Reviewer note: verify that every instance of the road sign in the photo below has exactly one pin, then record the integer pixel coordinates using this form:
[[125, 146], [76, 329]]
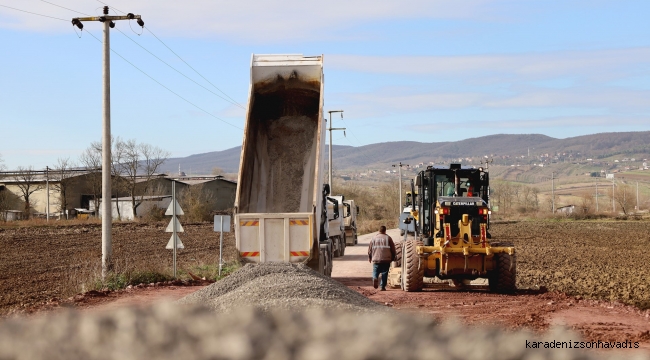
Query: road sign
[[218, 221], [170, 244], [170, 209], [221, 224], [170, 227]]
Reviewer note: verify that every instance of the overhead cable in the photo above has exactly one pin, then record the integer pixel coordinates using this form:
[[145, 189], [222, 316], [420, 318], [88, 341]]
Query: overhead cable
[[168, 89], [33, 13]]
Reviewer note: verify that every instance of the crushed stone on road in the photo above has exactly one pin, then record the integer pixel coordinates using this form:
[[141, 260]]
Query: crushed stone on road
[[279, 285]]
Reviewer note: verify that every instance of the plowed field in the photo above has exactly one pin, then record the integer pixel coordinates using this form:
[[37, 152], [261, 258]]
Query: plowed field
[[44, 262], [605, 260]]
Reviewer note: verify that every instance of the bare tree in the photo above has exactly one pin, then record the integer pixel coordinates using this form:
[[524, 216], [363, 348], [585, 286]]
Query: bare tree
[[91, 159], [586, 201], [2, 163], [624, 197], [28, 183], [62, 172], [141, 161], [218, 171], [198, 203]]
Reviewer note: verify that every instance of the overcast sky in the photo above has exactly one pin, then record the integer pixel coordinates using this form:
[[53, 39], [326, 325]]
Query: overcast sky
[[402, 70]]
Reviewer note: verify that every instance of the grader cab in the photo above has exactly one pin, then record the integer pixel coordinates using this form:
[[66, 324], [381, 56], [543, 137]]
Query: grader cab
[[453, 242]]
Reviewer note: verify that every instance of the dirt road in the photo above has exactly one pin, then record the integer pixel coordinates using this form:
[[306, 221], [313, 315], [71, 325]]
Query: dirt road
[[537, 310]]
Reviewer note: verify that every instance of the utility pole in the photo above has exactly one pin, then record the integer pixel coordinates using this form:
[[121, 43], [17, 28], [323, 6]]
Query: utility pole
[[613, 202], [596, 197], [47, 190], [330, 130], [638, 208], [553, 190], [399, 170], [107, 249]]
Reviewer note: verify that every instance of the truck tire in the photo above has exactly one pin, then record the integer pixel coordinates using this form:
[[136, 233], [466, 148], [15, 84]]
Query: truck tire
[[401, 232], [398, 255], [343, 244], [330, 263], [336, 243], [503, 278], [412, 267]]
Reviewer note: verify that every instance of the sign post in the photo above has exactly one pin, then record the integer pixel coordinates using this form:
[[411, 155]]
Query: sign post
[[174, 226], [221, 224]]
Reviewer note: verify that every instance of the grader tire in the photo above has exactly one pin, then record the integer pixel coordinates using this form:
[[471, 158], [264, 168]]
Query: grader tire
[[412, 267], [504, 277], [398, 255]]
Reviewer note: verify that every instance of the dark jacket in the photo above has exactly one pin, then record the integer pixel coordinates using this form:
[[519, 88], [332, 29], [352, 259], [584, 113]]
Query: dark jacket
[[381, 249]]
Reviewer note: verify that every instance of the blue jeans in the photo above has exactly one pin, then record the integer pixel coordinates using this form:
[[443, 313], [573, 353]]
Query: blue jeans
[[383, 270]]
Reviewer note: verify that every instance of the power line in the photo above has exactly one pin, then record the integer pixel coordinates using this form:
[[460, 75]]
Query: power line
[[190, 66], [33, 13], [234, 102], [178, 71], [63, 7], [130, 63], [168, 89]]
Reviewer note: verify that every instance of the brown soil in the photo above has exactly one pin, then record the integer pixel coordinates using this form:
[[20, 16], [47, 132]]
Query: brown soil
[[45, 264], [602, 260], [540, 245]]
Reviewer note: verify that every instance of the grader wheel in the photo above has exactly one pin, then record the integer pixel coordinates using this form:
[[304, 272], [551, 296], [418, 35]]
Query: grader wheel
[[398, 255], [504, 277], [412, 267]]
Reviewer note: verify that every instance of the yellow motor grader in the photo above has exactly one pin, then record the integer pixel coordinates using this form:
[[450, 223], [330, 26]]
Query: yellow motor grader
[[452, 240]]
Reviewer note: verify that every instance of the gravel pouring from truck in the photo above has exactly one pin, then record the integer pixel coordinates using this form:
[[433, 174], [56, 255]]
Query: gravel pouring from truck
[[280, 211]]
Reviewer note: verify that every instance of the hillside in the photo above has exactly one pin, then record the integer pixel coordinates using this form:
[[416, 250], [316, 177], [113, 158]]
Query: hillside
[[495, 146]]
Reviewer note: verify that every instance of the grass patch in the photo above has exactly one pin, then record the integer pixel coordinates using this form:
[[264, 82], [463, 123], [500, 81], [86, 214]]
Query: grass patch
[[122, 280], [211, 271]]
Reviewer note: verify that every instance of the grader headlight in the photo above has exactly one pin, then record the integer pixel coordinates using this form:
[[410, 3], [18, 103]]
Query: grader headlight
[[442, 211]]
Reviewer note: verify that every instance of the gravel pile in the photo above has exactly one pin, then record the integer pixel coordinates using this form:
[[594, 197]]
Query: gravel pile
[[279, 286], [169, 331]]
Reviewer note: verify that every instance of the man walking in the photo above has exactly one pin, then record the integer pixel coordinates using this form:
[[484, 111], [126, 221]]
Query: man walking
[[381, 252]]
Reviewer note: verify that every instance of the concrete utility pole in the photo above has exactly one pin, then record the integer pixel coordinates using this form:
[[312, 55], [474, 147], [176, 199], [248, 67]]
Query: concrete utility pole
[[553, 190], [399, 167], [107, 211], [638, 208], [330, 130], [596, 197], [613, 193], [47, 190]]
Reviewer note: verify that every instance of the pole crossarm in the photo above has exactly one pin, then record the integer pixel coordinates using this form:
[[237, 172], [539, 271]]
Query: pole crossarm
[[106, 17]]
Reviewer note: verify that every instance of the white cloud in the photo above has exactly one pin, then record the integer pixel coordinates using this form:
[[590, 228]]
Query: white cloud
[[274, 20], [593, 64]]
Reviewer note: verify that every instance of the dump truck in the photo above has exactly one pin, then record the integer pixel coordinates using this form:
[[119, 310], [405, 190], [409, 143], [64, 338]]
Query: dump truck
[[280, 210], [406, 225], [335, 224], [350, 212], [454, 242]]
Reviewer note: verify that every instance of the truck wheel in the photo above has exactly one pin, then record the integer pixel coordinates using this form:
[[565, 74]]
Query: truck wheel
[[330, 264], [336, 243], [343, 244], [503, 278], [398, 255], [412, 267], [401, 232]]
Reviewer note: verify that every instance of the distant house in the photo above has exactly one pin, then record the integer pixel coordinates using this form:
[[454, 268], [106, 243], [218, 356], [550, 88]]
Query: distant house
[[126, 206], [223, 190], [565, 209]]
